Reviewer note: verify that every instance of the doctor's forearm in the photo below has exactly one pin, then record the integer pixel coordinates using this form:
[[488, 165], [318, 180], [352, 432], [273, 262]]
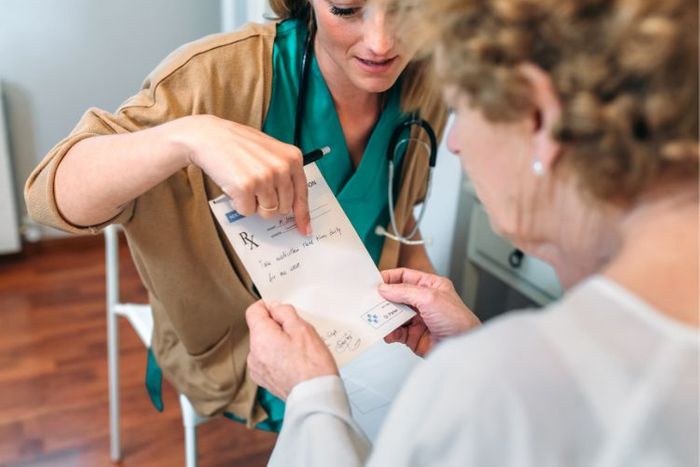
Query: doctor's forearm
[[415, 257], [99, 175]]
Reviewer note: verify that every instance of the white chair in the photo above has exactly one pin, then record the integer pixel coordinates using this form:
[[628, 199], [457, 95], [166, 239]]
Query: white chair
[[141, 319]]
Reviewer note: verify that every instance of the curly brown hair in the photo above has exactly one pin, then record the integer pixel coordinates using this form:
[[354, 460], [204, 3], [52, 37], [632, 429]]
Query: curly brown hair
[[626, 72]]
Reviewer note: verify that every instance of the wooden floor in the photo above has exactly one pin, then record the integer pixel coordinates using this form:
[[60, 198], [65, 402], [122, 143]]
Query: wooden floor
[[53, 371]]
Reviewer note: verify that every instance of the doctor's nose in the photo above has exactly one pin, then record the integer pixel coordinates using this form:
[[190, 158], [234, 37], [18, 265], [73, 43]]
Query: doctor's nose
[[378, 35]]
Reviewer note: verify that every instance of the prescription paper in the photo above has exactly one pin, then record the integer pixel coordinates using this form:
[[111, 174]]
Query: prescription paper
[[328, 276]]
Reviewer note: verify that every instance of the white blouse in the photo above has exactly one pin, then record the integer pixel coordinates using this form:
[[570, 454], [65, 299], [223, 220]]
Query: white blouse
[[597, 379]]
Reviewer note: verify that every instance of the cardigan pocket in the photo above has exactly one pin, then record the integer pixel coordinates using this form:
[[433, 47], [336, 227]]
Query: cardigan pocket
[[213, 384]]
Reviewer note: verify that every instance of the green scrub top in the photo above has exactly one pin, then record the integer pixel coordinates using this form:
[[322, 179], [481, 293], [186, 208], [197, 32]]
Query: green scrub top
[[361, 192]]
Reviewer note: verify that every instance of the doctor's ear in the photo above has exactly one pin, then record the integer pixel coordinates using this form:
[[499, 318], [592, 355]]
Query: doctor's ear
[[547, 104]]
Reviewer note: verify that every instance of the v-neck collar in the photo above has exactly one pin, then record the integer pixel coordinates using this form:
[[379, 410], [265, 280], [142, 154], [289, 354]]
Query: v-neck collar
[[322, 124], [361, 191]]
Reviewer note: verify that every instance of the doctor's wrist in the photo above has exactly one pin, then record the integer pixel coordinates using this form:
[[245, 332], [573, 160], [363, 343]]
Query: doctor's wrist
[[178, 144]]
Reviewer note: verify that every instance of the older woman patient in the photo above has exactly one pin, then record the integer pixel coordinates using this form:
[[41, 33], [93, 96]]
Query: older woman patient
[[577, 122]]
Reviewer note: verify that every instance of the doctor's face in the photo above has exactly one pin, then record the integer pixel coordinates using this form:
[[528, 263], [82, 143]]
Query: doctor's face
[[356, 45]]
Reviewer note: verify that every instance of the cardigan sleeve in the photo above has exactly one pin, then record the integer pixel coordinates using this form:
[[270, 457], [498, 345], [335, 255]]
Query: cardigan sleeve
[[202, 77]]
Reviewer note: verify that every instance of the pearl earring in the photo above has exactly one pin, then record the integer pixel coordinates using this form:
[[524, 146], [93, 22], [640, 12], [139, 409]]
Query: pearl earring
[[537, 168]]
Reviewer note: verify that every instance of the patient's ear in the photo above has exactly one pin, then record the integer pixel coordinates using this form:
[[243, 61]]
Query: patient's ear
[[547, 113]]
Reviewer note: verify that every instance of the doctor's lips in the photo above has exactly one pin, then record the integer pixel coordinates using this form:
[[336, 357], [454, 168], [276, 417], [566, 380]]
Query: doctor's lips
[[377, 66]]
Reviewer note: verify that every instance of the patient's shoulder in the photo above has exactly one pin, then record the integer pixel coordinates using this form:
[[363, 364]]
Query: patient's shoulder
[[519, 354]]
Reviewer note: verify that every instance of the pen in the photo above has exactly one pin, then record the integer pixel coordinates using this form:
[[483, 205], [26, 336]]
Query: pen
[[316, 154]]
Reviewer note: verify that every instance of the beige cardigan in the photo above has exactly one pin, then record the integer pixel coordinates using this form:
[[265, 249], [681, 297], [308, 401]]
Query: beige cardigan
[[197, 286]]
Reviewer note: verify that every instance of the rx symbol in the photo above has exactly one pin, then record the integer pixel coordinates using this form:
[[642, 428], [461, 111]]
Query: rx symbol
[[248, 241]]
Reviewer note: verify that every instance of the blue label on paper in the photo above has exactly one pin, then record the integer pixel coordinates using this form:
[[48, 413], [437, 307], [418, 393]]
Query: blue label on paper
[[233, 216]]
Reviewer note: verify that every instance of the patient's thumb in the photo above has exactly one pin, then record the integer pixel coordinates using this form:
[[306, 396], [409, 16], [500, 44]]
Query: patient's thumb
[[283, 314], [403, 293]]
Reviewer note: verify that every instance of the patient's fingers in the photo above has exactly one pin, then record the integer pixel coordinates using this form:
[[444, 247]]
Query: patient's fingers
[[287, 317], [263, 329], [411, 276], [415, 332], [416, 296], [397, 335], [396, 276], [258, 317]]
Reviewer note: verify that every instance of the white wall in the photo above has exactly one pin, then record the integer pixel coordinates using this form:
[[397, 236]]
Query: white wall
[[235, 13], [9, 232], [59, 57]]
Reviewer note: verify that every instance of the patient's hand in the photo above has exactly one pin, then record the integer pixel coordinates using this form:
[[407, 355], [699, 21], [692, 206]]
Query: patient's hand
[[441, 313], [414, 334], [284, 349]]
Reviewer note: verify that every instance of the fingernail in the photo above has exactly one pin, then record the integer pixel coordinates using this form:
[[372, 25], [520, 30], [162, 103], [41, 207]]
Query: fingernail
[[274, 304], [308, 229], [384, 287]]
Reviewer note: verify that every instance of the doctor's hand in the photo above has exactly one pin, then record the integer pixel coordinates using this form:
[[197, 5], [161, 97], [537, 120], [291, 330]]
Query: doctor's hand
[[261, 174], [441, 312], [285, 350]]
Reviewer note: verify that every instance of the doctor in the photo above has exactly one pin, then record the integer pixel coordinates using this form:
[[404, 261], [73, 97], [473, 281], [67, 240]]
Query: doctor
[[233, 113], [577, 122]]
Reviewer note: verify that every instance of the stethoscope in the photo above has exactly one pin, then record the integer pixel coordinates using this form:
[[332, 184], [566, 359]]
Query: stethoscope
[[396, 143]]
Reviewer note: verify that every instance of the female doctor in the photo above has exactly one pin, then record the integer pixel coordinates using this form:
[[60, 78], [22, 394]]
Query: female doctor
[[233, 113]]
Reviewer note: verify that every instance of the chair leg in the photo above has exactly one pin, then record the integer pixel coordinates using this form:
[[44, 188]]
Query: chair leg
[[189, 423], [113, 363], [191, 446], [112, 286]]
